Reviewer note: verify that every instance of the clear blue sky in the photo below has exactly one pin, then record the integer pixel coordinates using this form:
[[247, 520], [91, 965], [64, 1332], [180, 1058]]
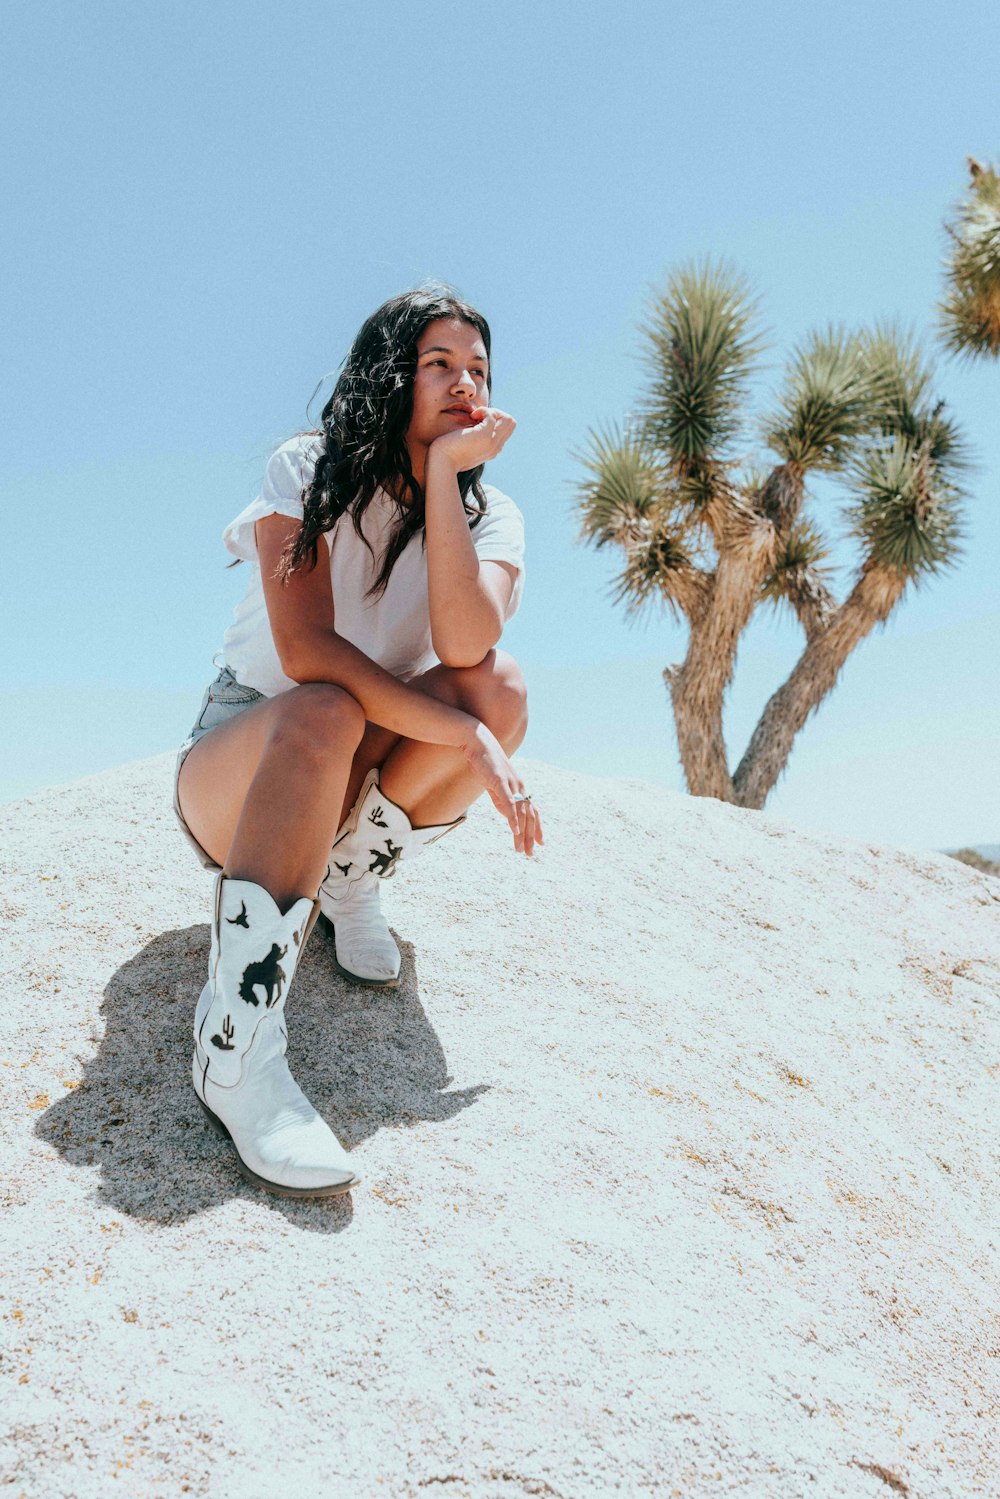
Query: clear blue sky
[[206, 202]]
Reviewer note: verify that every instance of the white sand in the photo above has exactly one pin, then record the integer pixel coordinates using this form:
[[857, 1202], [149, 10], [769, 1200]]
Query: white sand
[[679, 1151]]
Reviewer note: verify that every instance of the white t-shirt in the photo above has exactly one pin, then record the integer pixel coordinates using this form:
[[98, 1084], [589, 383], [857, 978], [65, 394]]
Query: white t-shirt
[[393, 630]]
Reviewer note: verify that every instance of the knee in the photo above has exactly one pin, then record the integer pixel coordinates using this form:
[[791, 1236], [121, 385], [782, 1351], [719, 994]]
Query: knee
[[495, 692], [317, 717]]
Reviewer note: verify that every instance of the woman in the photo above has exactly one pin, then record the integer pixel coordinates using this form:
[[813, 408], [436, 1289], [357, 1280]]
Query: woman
[[331, 746]]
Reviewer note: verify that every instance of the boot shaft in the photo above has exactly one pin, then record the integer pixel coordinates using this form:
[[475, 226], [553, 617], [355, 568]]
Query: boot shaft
[[375, 838], [254, 953]]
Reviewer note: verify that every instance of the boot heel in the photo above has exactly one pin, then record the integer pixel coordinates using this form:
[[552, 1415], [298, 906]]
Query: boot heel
[[213, 1119]]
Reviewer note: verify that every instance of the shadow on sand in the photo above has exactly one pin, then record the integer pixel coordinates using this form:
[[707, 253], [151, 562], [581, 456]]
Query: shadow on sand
[[366, 1058]]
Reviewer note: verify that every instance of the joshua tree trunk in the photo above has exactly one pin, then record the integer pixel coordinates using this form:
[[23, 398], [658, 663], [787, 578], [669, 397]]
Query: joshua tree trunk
[[869, 603], [747, 541], [697, 703]]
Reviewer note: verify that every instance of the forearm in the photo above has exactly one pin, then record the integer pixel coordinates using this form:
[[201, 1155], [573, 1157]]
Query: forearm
[[327, 657], [465, 622]]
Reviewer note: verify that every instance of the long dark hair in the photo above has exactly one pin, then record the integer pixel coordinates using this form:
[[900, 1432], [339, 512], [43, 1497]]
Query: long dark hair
[[364, 427]]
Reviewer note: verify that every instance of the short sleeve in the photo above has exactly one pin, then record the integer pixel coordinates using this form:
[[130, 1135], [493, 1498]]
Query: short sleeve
[[499, 537], [289, 469]]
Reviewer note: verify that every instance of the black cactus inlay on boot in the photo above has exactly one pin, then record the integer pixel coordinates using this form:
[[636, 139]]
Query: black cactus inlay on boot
[[241, 919], [225, 1041], [375, 816], [267, 975], [384, 863]]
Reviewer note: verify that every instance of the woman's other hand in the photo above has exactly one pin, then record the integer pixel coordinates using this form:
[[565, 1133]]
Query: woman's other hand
[[491, 767], [480, 437]]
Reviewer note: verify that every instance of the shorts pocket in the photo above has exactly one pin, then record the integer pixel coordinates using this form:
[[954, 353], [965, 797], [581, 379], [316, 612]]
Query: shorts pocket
[[223, 700], [225, 689]]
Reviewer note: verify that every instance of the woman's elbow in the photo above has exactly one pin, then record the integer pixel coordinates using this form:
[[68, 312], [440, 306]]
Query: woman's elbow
[[455, 661], [465, 655], [467, 651], [298, 660]]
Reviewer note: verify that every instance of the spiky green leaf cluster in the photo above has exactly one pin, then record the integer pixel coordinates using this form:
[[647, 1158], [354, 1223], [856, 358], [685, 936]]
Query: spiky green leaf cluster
[[631, 499], [969, 315], [903, 510], [804, 550], [626, 482], [825, 403], [697, 485], [903, 402], [700, 349], [659, 569]]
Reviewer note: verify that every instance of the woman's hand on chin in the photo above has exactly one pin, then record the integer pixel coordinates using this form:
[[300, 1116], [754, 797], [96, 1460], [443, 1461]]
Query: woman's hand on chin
[[470, 445]]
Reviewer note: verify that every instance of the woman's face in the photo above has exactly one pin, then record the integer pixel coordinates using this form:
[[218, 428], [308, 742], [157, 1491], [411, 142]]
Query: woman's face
[[451, 378]]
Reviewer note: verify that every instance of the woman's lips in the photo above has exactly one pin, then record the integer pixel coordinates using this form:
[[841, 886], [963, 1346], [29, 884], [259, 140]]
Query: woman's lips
[[460, 411]]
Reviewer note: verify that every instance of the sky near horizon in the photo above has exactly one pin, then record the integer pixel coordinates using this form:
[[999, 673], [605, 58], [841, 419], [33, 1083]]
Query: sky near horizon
[[207, 201]]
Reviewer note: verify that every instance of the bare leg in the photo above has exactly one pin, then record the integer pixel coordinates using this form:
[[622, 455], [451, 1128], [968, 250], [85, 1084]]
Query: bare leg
[[264, 793]]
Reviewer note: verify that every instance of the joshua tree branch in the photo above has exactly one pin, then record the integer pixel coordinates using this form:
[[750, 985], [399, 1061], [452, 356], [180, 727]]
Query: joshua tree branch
[[781, 498], [870, 602], [747, 546], [812, 601]]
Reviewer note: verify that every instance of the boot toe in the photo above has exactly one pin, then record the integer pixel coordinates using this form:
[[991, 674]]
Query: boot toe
[[368, 962], [304, 1159]]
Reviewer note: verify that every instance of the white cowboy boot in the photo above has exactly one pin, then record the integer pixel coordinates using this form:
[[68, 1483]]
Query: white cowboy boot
[[239, 1069], [373, 840]]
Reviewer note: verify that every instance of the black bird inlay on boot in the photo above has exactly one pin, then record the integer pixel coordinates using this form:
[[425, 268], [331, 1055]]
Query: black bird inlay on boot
[[342, 867], [384, 863], [225, 1041], [241, 919], [267, 974]]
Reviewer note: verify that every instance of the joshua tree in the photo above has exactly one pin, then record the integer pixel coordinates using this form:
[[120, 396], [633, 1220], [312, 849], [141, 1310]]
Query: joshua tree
[[970, 312], [712, 540]]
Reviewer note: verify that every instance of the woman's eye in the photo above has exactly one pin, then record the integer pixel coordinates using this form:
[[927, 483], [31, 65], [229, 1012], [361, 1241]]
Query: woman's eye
[[480, 374]]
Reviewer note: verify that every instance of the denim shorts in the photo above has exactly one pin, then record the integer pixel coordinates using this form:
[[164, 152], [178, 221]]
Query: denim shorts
[[224, 698]]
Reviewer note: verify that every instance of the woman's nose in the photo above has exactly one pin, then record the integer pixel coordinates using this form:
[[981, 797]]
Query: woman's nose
[[465, 382]]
